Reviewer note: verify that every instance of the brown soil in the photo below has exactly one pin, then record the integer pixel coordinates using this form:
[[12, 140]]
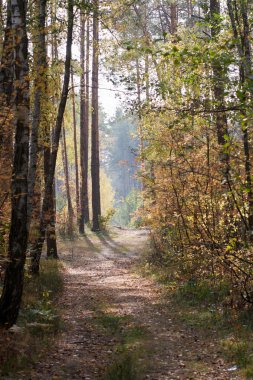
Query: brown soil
[[99, 275]]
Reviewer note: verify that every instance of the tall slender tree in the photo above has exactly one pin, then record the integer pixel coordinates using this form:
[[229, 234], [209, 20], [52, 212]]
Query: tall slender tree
[[67, 185], [40, 85], [219, 92], [87, 119], [95, 169], [75, 148], [6, 115], [83, 138], [238, 13]]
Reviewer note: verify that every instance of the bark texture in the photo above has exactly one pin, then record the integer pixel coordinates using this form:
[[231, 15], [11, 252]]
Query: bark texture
[[14, 276], [40, 84], [95, 169], [75, 148], [67, 185]]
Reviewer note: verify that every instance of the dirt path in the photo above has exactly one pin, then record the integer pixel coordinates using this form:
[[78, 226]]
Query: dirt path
[[99, 276]]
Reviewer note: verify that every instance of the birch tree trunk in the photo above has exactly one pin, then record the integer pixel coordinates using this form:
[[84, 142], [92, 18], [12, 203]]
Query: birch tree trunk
[[40, 85]]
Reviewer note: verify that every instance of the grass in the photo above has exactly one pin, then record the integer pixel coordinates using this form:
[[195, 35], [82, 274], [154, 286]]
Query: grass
[[38, 323], [130, 338], [204, 306], [123, 369], [233, 329]]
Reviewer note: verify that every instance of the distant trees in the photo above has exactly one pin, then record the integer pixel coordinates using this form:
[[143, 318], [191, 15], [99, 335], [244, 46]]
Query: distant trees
[[119, 150]]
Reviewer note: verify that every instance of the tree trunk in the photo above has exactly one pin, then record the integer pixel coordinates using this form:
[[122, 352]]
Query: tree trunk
[[86, 121], [45, 217], [6, 104], [1, 27], [14, 276], [75, 149], [66, 173], [95, 175], [82, 125], [242, 38], [173, 17], [219, 96], [40, 85], [51, 227]]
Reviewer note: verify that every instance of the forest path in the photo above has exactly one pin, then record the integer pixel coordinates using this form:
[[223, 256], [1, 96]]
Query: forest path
[[105, 299]]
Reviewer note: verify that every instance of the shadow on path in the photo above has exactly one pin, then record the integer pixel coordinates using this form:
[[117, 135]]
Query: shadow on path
[[107, 241]]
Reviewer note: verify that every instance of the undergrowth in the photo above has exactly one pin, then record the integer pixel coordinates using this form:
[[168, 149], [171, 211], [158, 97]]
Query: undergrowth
[[206, 306], [39, 321]]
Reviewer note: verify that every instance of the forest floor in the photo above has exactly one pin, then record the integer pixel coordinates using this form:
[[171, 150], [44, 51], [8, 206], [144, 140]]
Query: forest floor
[[119, 324]]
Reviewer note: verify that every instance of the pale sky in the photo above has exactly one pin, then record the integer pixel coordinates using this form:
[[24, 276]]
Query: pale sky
[[107, 92]]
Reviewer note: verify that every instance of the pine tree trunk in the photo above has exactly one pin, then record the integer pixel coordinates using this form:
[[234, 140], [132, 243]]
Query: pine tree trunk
[[95, 169], [75, 149], [86, 122], [14, 276], [82, 124], [67, 186]]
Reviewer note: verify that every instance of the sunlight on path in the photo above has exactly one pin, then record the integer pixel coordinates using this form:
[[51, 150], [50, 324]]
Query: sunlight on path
[[100, 281]]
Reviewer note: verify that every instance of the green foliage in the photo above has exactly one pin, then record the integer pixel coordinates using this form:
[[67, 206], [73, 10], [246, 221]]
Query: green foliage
[[194, 292], [240, 352], [104, 220], [125, 214], [40, 292], [119, 144]]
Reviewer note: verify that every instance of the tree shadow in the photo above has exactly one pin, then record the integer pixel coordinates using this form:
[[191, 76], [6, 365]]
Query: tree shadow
[[90, 244], [107, 240]]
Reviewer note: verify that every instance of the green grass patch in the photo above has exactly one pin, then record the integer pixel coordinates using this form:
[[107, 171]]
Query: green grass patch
[[111, 322], [38, 323], [124, 369], [129, 348], [203, 307], [196, 293], [40, 292]]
